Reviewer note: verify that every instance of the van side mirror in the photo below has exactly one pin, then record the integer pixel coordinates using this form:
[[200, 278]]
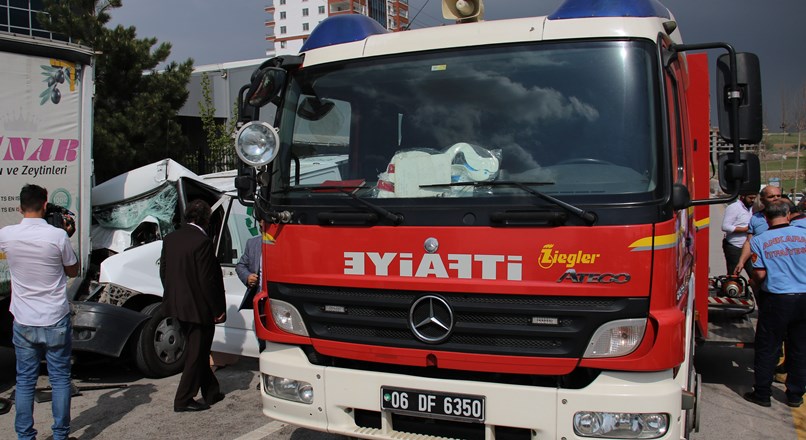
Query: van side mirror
[[749, 113], [748, 170]]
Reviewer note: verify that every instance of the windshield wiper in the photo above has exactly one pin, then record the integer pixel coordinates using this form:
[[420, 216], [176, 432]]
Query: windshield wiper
[[396, 219], [588, 217]]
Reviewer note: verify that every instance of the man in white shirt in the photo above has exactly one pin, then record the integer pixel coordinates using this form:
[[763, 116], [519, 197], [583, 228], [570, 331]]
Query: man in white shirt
[[40, 258], [735, 225]]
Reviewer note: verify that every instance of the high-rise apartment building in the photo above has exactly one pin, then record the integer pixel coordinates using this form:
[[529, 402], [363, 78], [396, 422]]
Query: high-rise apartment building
[[290, 22]]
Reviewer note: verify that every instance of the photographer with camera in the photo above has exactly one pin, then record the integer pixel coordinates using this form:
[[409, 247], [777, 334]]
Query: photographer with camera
[[40, 258]]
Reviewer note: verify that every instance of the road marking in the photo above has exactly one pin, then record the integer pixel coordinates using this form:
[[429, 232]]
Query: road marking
[[263, 432]]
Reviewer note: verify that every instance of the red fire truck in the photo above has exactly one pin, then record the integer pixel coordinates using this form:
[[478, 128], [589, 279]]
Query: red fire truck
[[508, 241]]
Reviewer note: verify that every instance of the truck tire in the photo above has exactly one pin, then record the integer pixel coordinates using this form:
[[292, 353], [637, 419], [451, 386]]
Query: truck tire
[[159, 349], [693, 385]]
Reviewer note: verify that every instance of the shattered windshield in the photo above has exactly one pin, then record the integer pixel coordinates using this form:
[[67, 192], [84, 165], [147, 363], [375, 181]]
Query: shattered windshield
[[576, 118], [128, 214]]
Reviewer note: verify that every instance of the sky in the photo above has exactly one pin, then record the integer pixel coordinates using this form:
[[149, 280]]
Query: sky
[[213, 32]]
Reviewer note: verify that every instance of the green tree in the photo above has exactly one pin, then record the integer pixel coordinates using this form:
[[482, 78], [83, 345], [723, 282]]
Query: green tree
[[220, 143], [135, 113], [81, 20]]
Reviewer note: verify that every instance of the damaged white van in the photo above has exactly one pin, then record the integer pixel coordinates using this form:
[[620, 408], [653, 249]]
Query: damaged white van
[[120, 312], [131, 214]]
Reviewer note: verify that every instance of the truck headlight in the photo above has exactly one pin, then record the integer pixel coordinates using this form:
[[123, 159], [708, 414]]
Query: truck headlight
[[616, 338], [620, 425], [287, 318], [257, 143], [288, 389]]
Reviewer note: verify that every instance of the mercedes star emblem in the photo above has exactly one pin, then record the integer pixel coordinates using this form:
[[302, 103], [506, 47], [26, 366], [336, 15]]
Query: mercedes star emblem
[[431, 319]]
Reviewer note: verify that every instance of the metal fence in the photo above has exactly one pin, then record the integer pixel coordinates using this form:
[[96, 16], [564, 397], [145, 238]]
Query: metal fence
[[203, 161]]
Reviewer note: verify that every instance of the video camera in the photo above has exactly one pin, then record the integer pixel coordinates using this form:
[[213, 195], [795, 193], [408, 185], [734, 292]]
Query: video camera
[[61, 217]]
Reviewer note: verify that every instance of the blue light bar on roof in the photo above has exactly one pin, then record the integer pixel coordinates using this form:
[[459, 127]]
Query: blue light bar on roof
[[610, 8], [340, 29]]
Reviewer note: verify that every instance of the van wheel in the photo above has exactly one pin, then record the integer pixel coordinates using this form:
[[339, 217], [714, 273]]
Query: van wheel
[[160, 345]]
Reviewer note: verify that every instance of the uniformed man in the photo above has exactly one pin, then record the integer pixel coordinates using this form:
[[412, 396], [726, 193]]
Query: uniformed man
[[758, 223], [779, 260]]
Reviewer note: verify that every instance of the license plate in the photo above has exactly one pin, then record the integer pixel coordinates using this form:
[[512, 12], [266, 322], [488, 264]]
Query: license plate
[[461, 407]]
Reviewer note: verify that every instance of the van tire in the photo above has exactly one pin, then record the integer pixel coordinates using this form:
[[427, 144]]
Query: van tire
[[159, 349]]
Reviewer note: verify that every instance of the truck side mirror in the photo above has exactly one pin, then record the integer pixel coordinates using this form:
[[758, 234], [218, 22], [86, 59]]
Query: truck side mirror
[[246, 184], [266, 83], [681, 197], [749, 114], [748, 170]]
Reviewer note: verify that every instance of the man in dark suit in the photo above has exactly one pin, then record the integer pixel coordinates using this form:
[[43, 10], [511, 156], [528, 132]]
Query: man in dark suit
[[194, 295]]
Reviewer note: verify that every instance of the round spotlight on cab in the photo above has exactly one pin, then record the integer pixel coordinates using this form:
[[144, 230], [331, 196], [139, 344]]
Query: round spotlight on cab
[[257, 143]]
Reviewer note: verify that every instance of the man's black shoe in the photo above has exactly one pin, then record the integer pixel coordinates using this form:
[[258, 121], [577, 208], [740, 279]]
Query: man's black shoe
[[794, 401], [217, 397], [192, 406], [751, 396], [5, 405]]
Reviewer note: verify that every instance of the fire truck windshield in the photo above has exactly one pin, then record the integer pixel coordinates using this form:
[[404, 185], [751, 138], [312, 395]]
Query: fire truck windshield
[[582, 118]]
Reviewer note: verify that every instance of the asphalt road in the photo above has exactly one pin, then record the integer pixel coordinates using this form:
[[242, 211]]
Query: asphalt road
[[144, 408], [727, 372]]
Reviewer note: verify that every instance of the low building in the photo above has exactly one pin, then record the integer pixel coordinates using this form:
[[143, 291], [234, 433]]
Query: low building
[[226, 82]]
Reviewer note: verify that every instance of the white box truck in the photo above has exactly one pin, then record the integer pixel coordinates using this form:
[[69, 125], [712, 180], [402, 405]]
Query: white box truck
[[45, 136], [46, 124]]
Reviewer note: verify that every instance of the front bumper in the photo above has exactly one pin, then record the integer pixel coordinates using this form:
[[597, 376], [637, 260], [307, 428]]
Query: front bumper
[[547, 413], [103, 328]]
